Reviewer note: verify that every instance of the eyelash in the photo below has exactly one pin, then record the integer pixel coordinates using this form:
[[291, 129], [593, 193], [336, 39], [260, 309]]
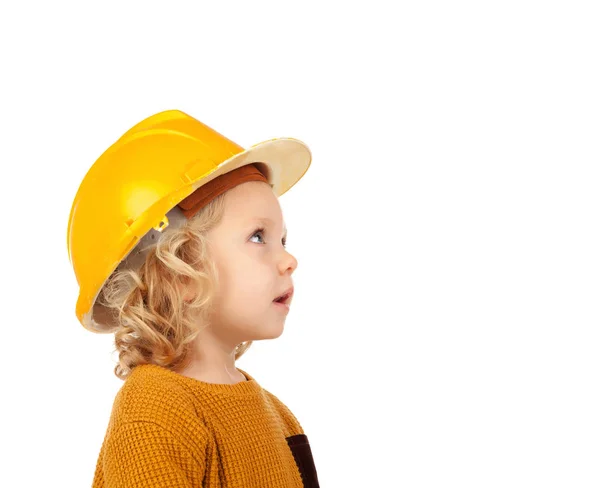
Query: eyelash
[[262, 230]]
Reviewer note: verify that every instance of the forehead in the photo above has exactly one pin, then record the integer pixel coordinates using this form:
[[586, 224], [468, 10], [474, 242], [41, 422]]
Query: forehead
[[253, 202]]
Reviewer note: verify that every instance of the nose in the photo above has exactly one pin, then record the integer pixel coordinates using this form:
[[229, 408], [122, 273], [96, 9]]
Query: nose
[[288, 262]]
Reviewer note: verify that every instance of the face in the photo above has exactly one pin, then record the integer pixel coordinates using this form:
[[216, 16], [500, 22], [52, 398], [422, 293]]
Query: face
[[254, 266]]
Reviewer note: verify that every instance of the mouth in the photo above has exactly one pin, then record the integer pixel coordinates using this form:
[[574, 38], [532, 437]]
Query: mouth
[[285, 298]]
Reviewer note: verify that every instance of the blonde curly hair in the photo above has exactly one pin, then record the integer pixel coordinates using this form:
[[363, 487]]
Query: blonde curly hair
[[155, 324]]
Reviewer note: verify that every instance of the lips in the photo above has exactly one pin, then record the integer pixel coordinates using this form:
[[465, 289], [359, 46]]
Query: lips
[[285, 296]]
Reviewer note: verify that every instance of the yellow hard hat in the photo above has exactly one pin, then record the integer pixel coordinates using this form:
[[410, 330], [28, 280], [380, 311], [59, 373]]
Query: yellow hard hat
[[134, 185]]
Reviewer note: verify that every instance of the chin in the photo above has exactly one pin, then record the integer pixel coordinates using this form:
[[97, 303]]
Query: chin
[[273, 332]]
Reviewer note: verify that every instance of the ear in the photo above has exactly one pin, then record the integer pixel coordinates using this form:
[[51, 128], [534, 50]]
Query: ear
[[188, 295], [186, 291]]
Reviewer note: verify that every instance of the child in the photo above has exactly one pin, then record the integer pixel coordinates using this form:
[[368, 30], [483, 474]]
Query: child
[[178, 246]]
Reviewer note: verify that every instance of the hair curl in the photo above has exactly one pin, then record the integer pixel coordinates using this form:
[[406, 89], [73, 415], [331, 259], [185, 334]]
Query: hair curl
[[154, 323]]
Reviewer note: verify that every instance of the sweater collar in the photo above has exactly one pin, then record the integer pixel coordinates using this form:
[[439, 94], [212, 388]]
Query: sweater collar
[[248, 387]]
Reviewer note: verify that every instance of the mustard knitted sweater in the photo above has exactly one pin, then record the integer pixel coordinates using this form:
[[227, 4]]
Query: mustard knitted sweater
[[169, 430]]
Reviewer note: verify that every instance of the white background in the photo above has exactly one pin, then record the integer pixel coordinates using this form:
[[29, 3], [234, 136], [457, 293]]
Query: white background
[[444, 331]]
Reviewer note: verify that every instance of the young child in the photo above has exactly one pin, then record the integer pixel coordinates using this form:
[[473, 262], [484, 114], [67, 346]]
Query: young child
[[177, 241]]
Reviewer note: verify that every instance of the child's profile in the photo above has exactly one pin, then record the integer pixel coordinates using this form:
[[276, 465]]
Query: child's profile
[[178, 242]]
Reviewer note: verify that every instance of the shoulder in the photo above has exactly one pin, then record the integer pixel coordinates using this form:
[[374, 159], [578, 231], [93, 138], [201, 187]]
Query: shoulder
[[291, 422], [152, 395]]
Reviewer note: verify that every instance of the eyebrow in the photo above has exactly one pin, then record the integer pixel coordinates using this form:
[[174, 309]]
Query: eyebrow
[[267, 220]]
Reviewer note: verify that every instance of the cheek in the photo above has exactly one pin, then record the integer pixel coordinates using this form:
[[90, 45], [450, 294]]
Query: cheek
[[248, 286], [247, 282], [256, 294]]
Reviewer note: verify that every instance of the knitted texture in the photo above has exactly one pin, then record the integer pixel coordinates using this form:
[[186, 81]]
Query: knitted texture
[[169, 430]]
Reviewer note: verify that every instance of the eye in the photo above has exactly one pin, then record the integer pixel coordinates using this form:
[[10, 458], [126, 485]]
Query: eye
[[261, 231]]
